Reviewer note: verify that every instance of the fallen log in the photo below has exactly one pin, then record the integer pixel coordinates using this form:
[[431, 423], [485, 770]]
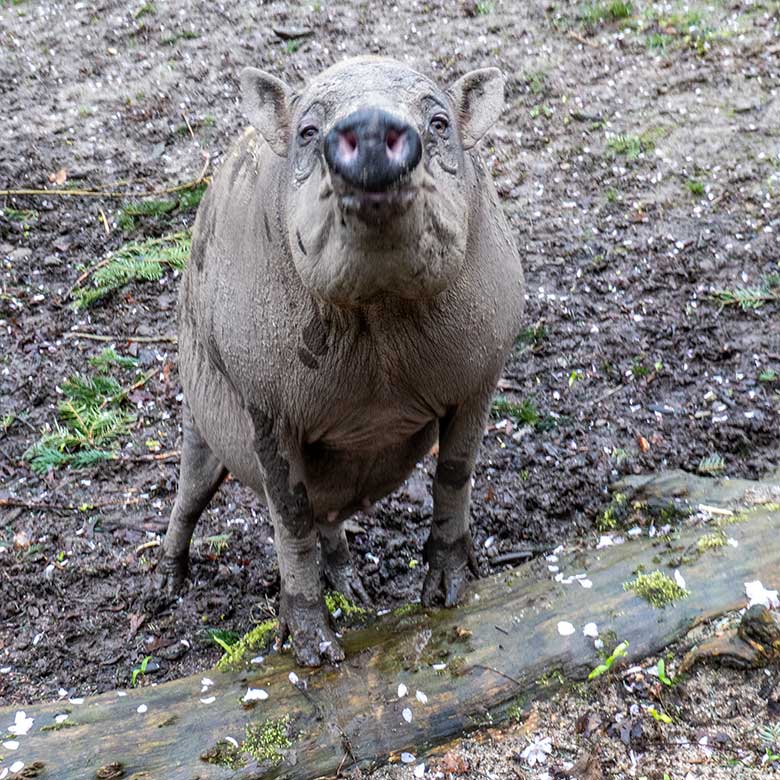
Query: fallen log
[[505, 647]]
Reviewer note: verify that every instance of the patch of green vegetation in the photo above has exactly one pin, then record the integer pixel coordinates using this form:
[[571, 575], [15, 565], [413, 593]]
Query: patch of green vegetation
[[657, 589], [224, 754], [695, 187], [606, 12], [65, 724], [629, 146], [183, 35], [769, 375], [751, 298], [537, 81], [109, 358], [711, 465], [483, 9], [140, 671], [266, 741], [258, 639], [615, 514], [658, 41], [25, 216], [293, 45], [553, 677], [159, 208], [619, 652], [407, 610], [335, 601], [658, 715], [532, 336], [711, 541], [147, 9], [612, 195], [522, 413], [133, 262], [662, 676], [537, 111], [92, 417]]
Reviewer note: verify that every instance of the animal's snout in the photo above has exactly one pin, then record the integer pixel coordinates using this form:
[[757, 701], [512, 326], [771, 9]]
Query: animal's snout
[[372, 150]]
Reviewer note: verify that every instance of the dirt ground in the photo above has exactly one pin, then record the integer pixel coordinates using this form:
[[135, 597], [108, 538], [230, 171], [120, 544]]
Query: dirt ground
[[638, 161]]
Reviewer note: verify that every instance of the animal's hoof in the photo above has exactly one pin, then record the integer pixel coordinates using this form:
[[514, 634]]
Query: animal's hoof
[[169, 580], [448, 569], [344, 579], [307, 625]]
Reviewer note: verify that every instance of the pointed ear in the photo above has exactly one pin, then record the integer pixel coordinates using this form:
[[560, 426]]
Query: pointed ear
[[266, 102], [478, 98]]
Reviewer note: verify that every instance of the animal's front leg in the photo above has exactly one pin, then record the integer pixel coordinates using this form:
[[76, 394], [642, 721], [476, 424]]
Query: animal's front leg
[[303, 616], [449, 551]]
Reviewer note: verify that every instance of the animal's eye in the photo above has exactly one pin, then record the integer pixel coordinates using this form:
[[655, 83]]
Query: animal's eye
[[307, 133], [439, 124]]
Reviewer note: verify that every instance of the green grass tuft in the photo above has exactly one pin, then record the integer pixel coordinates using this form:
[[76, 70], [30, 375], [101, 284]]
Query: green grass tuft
[[259, 639]]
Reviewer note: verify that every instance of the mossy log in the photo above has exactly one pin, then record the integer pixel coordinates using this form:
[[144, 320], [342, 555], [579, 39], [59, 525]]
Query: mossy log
[[501, 649]]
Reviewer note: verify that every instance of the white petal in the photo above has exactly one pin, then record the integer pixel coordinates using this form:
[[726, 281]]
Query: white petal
[[12, 744], [591, 630], [758, 594], [3, 774], [232, 741], [732, 542], [605, 541], [208, 700], [258, 659], [421, 697], [121, 693], [206, 681], [586, 583], [408, 758], [61, 718], [293, 678], [419, 770], [17, 766], [407, 715], [77, 700], [255, 694], [565, 628], [142, 708], [679, 579], [439, 667], [402, 690]]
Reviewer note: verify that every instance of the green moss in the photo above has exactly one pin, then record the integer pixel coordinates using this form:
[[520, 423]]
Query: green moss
[[407, 610], [335, 601], [656, 588], [615, 514], [258, 639], [266, 741], [224, 754], [66, 724], [711, 541]]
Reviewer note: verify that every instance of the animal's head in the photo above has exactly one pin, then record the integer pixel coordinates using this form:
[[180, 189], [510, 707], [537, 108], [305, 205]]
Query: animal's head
[[379, 186]]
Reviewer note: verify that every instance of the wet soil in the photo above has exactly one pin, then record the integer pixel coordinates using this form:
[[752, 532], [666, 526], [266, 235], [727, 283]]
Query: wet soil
[[638, 161]]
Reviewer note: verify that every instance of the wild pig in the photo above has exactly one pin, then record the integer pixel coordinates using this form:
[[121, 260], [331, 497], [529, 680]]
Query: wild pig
[[352, 295]]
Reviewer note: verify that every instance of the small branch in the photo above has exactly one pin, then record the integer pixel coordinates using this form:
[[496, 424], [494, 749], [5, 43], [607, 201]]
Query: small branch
[[18, 502], [74, 334], [113, 193], [579, 38]]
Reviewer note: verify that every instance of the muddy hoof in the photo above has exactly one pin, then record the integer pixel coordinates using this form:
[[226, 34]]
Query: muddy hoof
[[344, 579], [307, 625], [169, 580], [448, 569]]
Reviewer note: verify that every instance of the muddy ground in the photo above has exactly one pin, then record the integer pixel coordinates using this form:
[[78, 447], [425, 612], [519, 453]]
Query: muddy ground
[[638, 161]]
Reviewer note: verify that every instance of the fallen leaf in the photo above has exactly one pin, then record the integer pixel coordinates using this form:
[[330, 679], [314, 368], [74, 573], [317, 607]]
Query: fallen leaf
[[452, 763], [643, 443], [136, 621], [59, 178]]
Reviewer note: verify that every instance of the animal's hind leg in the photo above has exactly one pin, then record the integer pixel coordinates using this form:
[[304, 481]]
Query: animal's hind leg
[[200, 475], [337, 568]]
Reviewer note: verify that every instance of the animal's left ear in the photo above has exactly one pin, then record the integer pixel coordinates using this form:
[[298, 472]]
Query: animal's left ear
[[478, 98]]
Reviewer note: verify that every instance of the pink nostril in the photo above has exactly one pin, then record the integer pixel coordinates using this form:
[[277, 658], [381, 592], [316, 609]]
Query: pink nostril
[[396, 144], [348, 144]]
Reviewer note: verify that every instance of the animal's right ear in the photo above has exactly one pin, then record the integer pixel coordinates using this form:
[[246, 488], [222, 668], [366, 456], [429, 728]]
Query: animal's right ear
[[267, 106]]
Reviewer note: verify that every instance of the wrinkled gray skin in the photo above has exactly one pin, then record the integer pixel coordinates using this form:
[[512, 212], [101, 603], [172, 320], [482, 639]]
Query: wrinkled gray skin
[[322, 354]]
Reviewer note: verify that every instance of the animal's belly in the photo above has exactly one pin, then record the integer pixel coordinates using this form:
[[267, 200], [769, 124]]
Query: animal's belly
[[341, 480]]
